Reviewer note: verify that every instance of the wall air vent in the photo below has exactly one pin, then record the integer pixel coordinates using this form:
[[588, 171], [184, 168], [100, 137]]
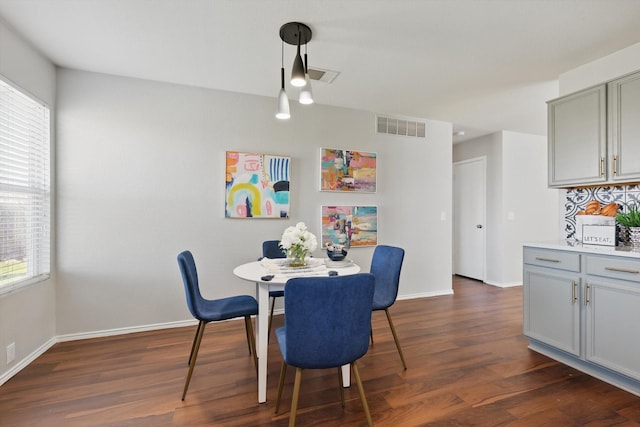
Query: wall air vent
[[326, 76], [401, 127]]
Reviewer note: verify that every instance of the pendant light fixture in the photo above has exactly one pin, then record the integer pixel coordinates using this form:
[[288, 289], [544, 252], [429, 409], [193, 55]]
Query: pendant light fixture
[[306, 96], [283, 112], [296, 34], [297, 71]]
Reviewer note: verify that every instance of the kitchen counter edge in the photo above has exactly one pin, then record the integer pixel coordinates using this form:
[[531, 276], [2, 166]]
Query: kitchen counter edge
[[571, 245]]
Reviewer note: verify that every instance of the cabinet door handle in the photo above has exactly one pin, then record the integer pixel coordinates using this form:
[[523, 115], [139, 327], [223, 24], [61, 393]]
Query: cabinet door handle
[[601, 166], [547, 259], [586, 294], [574, 291], [615, 161], [622, 270]]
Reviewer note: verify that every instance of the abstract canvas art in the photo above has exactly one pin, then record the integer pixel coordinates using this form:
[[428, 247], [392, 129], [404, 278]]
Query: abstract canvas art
[[351, 226], [347, 170], [257, 185]]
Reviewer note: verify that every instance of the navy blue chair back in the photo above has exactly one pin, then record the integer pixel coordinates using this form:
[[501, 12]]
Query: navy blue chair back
[[271, 249], [210, 310], [190, 280], [328, 320], [385, 266]]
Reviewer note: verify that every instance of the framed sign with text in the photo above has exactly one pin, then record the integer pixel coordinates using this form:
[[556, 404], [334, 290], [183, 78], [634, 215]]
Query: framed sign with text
[[601, 235]]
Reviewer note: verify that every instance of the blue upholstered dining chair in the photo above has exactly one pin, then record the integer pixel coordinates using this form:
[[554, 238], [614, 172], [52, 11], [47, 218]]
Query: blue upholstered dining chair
[[206, 310], [385, 266], [327, 325], [271, 249]]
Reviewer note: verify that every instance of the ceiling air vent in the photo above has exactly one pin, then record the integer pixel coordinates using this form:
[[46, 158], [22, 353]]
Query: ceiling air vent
[[326, 76], [402, 127]]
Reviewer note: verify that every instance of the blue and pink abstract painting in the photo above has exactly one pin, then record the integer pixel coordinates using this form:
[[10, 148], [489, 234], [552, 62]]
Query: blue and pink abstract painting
[[351, 226], [257, 185]]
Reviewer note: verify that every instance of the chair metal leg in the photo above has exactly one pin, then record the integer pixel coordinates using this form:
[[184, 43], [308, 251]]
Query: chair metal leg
[[252, 340], [283, 373], [340, 385], [362, 395], [248, 340], [395, 337], [273, 304], [195, 338], [194, 356], [296, 394]]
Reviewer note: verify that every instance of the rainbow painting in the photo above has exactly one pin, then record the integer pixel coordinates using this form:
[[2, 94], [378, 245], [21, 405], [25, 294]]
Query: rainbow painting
[[257, 185]]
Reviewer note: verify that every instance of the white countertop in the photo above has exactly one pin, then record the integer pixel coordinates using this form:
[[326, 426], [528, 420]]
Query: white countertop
[[575, 246]]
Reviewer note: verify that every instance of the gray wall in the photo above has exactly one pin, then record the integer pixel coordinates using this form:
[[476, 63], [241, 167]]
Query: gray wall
[[526, 195], [603, 69], [517, 184], [27, 316], [141, 177], [491, 147]]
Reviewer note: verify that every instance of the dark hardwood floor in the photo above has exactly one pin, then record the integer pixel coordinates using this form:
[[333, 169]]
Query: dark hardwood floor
[[468, 365]]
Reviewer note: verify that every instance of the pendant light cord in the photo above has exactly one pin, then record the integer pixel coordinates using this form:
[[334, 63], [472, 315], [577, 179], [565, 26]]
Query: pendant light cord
[[282, 66]]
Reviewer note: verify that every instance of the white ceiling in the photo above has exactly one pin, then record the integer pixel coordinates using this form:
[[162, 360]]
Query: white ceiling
[[484, 65]]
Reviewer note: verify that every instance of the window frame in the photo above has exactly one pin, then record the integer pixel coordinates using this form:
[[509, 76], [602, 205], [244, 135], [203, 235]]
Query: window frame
[[43, 189]]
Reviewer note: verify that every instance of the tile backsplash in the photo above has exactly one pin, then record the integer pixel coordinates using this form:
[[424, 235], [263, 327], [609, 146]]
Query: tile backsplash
[[577, 199]]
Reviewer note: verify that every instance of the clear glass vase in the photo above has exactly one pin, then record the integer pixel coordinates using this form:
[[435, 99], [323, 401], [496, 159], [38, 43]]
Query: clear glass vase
[[297, 262], [297, 257]]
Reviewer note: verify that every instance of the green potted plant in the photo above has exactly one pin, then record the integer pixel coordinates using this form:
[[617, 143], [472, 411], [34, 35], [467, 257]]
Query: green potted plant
[[630, 221]]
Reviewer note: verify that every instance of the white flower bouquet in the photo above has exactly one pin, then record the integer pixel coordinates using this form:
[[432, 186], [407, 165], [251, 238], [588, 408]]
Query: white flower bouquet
[[298, 243]]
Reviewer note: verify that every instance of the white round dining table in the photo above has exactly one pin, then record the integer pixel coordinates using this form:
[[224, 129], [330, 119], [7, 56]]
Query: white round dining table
[[258, 272]]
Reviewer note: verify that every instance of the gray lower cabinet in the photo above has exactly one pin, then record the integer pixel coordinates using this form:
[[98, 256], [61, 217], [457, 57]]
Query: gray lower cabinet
[[584, 310], [551, 309], [612, 313]]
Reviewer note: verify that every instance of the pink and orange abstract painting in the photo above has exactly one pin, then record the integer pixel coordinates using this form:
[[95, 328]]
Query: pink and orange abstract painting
[[347, 170]]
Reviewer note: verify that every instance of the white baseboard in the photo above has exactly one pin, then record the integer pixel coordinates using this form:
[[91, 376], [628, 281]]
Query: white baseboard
[[122, 331], [503, 285], [426, 294], [20, 365]]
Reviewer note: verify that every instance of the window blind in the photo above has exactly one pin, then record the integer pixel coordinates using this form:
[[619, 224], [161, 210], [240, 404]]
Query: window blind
[[25, 191]]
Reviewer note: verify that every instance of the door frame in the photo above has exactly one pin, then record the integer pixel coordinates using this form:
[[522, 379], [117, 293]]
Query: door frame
[[483, 160]]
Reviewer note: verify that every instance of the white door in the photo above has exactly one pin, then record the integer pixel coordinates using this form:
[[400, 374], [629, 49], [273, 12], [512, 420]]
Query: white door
[[469, 205]]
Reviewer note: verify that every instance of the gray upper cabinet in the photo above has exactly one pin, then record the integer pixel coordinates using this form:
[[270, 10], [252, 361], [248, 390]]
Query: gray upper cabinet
[[594, 135], [577, 138], [624, 128]]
